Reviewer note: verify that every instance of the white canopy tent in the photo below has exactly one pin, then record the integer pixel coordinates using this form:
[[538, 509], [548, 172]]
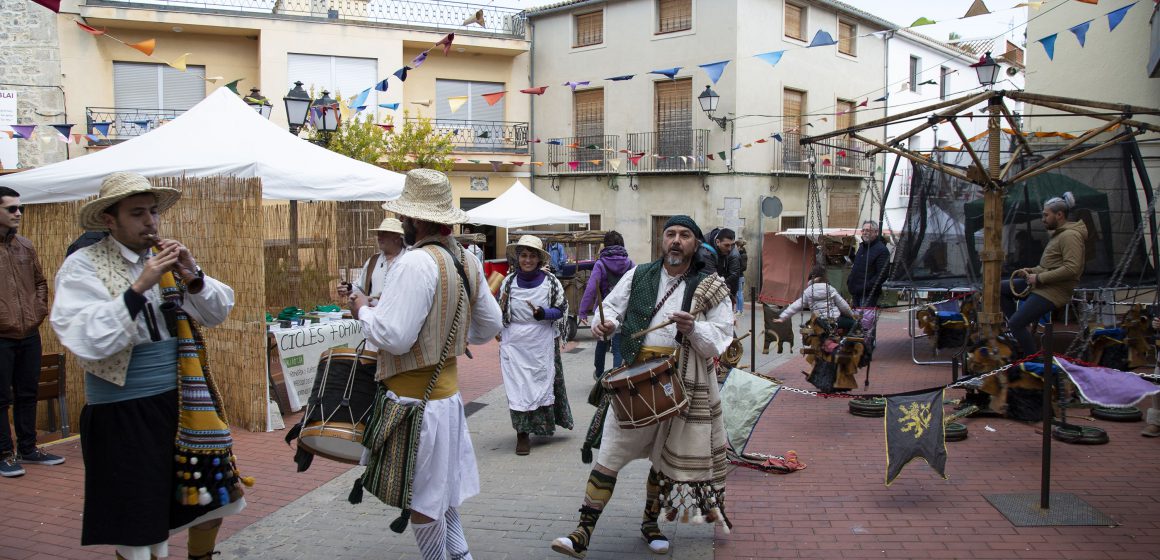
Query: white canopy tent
[[221, 135], [519, 207]]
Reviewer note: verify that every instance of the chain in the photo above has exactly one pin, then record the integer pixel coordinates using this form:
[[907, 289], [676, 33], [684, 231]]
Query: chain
[[961, 383]]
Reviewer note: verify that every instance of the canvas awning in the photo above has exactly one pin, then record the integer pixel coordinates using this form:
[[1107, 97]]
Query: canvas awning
[[519, 207]]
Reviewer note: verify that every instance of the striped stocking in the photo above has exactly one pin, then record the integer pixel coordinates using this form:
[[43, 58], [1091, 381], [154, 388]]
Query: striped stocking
[[431, 538], [652, 509], [456, 540], [597, 495]]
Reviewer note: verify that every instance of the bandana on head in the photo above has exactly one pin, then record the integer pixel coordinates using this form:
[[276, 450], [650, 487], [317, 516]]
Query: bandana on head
[[685, 221]]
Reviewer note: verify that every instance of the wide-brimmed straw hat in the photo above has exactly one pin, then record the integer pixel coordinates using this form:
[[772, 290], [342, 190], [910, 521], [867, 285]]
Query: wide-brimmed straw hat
[[117, 187], [390, 224], [427, 196], [531, 242]]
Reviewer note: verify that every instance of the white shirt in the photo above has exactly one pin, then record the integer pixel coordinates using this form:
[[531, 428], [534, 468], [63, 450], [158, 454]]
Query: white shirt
[[822, 299], [379, 273], [710, 336], [394, 323], [94, 325]]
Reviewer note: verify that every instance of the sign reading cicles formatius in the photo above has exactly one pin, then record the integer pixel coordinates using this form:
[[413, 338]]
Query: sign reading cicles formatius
[[300, 349]]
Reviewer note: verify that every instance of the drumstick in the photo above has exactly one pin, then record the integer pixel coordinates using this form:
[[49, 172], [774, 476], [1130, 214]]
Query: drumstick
[[639, 334], [600, 310]]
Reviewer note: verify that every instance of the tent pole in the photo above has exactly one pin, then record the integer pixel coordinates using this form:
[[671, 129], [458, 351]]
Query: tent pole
[[293, 268]]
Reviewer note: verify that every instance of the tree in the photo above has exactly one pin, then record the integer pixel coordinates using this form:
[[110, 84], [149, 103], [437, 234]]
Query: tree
[[358, 137], [417, 143]]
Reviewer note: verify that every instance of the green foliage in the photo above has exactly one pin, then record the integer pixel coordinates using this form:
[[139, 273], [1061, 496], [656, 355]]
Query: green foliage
[[359, 138], [417, 143]]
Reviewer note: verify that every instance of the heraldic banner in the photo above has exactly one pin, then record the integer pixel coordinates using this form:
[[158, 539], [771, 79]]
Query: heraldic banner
[[914, 428]]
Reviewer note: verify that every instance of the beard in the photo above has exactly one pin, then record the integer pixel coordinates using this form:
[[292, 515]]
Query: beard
[[675, 257], [409, 231]]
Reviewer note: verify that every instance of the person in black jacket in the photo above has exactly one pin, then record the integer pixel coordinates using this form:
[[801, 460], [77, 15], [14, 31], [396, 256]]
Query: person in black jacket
[[867, 276], [728, 262]]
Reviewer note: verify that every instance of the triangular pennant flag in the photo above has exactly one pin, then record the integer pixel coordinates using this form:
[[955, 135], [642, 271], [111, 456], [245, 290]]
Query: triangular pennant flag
[[141, 123], [978, 8], [777, 137], [1032, 5], [391, 106], [930, 82], [841, 153], [721, 155], [556, 164], [419, 60], [864, 103], [445, 42], [383, 85], [423, 102], [635, 159], [880, 34], [592, 147], [914, 428], [614, 164], [621, 78], [538, 163], [1048, 43], [63, 130], [772, 57], [1093, 2], [53, 5], [825, 119], [456, 102], [476, 18], [25, 130], [401, 73], [596, 161], [1116, 16], [670, 73], [760, 141], [554, 143], [214, 79], [736, 147], [474, 161], [749, 145], [822, 39], [883, 98], [536, 141], [360, 100], [102, 128], [516, 163], [386, 127], [710, 156], [1080, 32], [714, 69], [145, 46], [493, 98], [233, 86], [92, 138], [575, 85], [573, 145], [923, 21], [495, 165], [826, 161], [91, 30], [179, 62], [76, 138], [484, 134], [535, 91], [573, 165]]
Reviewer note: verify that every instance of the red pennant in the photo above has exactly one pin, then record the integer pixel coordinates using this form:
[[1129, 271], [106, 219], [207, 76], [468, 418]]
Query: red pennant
[[493, 98], [92, 30], [710, 156], [864, 103], [635, 159], [387, 127], [761, 141], [573, 165], [535, 91], [841, 153], [517, 163], [53, 5]]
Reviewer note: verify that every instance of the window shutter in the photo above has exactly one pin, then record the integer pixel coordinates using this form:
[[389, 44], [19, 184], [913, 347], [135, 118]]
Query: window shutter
[[915, 68], [315, 72], [589, 29], [588, 114], [793, 102], [673, 105], [451, 88], [135, 86], [843, 209], [480, 110], [351, 76], [846, 117], [846, 38], [674, 15], [181, 90], [793, 21]]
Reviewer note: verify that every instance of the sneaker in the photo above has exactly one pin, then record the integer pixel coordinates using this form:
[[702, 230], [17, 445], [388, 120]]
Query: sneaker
[[38, 457], [563, 545], [9, 467], [1151, 430]]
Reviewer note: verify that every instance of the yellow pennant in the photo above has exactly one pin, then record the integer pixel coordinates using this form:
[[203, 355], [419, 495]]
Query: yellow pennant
[[179, 62]]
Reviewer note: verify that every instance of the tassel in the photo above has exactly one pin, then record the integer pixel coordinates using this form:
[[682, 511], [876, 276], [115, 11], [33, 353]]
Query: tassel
[[399, 525], [586, 454], [356, 492], [292, 433], [203, 497], [248, 481], [685, 516]]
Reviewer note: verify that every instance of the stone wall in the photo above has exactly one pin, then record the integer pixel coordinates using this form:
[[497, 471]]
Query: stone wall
[[30, 66]]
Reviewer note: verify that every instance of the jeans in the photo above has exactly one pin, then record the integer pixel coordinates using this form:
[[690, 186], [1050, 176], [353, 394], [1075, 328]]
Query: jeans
[[1018, 320], [741, 295], [19, 378], [602, 348]]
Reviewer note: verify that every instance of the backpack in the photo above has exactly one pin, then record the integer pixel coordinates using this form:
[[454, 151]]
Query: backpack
[[608, 280]]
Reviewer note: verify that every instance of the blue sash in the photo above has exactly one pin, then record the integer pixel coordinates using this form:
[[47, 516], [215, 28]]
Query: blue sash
[[152, 371]]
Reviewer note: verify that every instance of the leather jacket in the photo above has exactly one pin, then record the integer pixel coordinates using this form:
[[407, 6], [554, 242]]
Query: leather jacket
[[23, 289]]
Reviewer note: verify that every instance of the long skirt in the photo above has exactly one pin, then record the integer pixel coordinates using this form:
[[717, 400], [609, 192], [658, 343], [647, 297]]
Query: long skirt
[[543, 421]]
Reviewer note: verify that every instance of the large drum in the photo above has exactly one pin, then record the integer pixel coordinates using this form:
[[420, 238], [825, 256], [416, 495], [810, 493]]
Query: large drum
[[340, 402], [645, 393]]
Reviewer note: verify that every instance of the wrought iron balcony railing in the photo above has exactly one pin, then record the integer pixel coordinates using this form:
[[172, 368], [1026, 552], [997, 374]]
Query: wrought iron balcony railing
[[835, 156], [111, 125], [485, 136], [668, 151], [583, 154], [437, 16]]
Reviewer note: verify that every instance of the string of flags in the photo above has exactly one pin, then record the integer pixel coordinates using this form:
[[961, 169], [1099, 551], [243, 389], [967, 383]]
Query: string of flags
[[1080, 30]]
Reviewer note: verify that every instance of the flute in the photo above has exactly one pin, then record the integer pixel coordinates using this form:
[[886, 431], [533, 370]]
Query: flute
[[193, 282]]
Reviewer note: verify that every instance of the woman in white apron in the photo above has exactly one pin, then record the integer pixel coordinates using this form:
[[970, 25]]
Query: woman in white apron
[[534, 310]]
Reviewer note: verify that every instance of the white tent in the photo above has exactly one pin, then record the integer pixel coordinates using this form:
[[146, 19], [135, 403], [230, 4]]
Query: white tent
[[519, 207], [219, 136]]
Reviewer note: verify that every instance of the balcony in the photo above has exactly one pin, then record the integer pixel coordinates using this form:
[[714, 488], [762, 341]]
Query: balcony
[[427, 16], [589, 153], [484, 136], [125, 124], [835, 156], [669, 151]]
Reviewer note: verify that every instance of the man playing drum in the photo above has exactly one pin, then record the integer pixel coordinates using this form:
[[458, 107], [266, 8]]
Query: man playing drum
[[687, 451], [411, 325]]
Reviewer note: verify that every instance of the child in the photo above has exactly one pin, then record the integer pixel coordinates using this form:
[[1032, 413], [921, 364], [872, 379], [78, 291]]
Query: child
[[821, 298]]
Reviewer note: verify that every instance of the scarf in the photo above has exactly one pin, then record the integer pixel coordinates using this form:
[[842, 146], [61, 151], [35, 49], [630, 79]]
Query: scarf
[[556, 298], [613, 251], [205, 464]]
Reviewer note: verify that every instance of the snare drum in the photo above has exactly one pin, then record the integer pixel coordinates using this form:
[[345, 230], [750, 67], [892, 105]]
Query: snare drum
[[339, 404], [645, 393]]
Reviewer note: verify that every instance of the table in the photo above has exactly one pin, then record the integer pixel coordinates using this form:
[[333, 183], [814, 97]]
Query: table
[[295, 353]]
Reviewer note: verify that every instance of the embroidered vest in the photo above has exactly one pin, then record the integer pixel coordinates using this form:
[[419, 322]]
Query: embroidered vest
[[437, 326], [642, 298]]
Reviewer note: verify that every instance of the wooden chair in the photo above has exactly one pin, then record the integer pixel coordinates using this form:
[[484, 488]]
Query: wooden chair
[[52, 386]]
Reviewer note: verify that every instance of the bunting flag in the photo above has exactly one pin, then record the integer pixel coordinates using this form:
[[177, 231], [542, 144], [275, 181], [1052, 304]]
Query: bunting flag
[[53, 5], [141, 123], [923, 21], [772, 57], [456, 102], [391, 106], [1048, 43], [102, 128], [179, 62], [92, 30], [554, 142], [978, 8], [92, 138], [1116, 16], [1032, 5], [423, 102], [25, 130], [1093, 2], [214, 79], [383, 85], [777, 137], [822, 39], [445, 42], [1080, 32], [476, 18], [64, 130], [914, 428], [360, 100], [635, 158], [714, 70], [493, 98], [760, 141], [419, 60], [401, 73], [145, 46], [573, 165], [883, 98], [930, 82], [710, 156], [233, 86], [535, 91], [670, 73], [721, 155], [484, 134], [621, 78], [614, 164], [575, 85], [386, 127], [76, 138]]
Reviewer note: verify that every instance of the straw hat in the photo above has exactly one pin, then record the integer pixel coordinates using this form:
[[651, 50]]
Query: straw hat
[[117, 187], [427, 197], [390, 224], [531, 242]]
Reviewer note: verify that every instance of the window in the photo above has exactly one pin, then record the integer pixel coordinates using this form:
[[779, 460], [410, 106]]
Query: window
[[139, 85], [944, 82], [845, 117], [589, 29], [844, 209], [915, 70], [674, 15], [481, 131], [795, 21], [588, 126], [1013, 54], [658, 229], [847, 38], [793, 222], [340, 75], [674, 121], [793, 104]]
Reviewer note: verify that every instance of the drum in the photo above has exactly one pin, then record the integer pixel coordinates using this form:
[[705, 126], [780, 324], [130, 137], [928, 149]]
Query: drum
[[340, 402], [645, 393]]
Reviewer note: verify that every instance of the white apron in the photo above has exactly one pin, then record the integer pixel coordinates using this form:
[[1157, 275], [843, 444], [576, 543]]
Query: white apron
[[526, 353]]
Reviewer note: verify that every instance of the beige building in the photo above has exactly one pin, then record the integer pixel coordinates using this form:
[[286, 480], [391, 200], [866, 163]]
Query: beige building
[[651, 115]]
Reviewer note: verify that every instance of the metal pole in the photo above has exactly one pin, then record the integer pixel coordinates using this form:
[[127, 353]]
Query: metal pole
[[753, 329], [1048, 415]]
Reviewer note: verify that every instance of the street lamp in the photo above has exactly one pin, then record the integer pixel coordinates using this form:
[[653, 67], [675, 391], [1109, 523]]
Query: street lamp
[[988, 70], [297, 106], [326, 118], [708, 100], [258, 102]]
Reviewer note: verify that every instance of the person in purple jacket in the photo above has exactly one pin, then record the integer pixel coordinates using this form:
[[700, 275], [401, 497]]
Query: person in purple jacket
[[610, 266]]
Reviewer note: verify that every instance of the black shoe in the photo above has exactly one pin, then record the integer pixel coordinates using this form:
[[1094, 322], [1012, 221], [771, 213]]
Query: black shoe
[[38, 457], [9, 468]]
